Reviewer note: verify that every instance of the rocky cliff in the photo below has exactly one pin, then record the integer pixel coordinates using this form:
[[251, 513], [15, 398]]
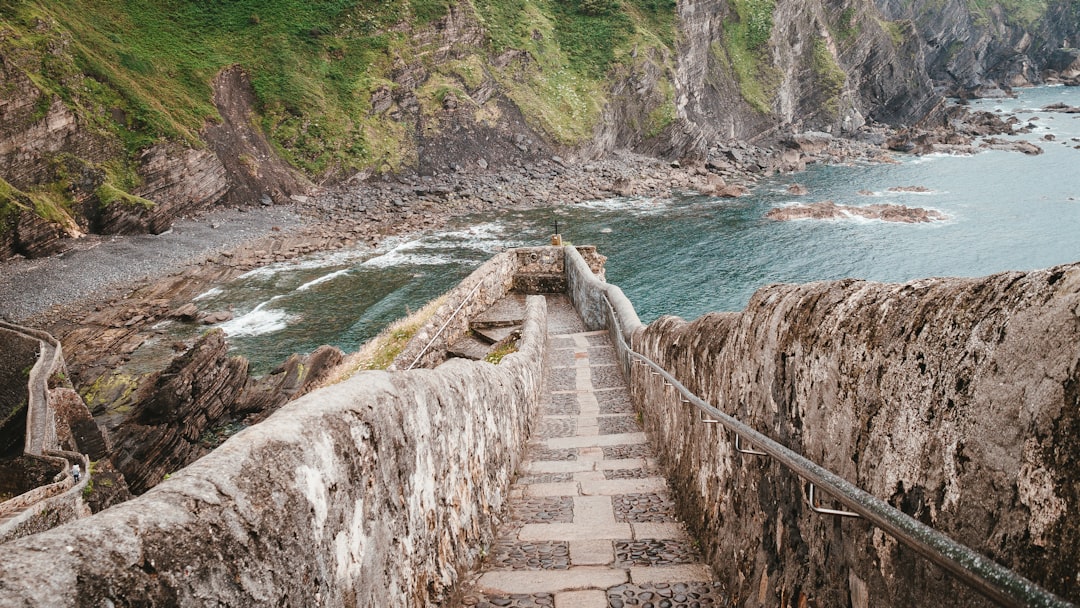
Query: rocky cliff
[[978, 47], [118, 118], [955, 400]]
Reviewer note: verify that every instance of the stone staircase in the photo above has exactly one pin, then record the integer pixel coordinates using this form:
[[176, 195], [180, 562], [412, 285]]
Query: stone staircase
[[498, 325], [591, 523]]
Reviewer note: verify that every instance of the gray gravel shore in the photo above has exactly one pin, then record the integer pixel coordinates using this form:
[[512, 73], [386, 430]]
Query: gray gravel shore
[[100, 266]]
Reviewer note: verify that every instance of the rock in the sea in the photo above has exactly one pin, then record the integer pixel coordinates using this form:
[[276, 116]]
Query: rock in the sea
[[1019, 145], [214, 318], [920, 189], [797, 190], [188, 312], [828, 210]]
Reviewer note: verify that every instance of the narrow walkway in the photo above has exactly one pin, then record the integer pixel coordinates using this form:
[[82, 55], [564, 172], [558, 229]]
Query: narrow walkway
[[591, 523]]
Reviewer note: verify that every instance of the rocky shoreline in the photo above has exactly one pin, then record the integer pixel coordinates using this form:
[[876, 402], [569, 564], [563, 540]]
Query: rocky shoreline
[[104, 296]]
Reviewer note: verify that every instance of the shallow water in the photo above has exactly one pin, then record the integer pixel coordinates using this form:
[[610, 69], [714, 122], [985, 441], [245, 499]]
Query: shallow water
[[694, 254]]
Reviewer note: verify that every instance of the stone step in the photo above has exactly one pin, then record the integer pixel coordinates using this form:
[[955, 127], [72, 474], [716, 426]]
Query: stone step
[[493, 335], [591, 524], [469, 347]]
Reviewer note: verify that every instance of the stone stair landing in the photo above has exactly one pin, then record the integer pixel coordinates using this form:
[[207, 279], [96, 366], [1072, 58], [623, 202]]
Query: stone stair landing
[[591, 523]]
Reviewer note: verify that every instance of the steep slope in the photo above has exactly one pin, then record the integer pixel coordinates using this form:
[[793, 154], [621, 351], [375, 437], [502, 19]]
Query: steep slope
[[117, 118]]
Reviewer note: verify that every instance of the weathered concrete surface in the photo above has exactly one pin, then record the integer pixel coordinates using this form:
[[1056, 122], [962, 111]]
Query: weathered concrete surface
[[372, 492], [956, 400]]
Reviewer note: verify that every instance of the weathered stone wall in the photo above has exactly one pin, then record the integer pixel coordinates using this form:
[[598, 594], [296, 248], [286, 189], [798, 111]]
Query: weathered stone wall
[[955, 400], [373, 492], [475, 294], [20, 353], [47, 506]]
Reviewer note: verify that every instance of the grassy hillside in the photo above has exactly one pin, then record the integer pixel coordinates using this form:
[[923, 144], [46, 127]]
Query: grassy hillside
[[313, 65]]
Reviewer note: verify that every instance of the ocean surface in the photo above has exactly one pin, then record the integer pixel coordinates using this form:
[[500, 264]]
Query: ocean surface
[[693, 254]]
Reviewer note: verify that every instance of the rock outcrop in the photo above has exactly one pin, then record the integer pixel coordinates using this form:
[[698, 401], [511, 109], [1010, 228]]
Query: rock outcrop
[[982, 49], [955, 400], [199, 400], [828, 210]]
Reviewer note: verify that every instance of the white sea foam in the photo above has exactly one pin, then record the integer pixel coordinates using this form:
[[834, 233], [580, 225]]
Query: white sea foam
[[323, 279], [334, 258], [639, 205], [214, 291], [403, 257], [257, 322]]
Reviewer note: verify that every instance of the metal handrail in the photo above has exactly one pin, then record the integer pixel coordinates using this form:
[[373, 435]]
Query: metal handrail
[[982, 574], [464, 300]]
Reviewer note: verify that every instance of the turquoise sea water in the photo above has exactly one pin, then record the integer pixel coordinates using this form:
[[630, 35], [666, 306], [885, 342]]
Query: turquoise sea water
[[693, 254]]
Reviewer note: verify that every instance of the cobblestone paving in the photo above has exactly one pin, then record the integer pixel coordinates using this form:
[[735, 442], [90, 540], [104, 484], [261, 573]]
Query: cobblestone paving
[[556, 427], [543, 510], [607, 376], [551, 555], [641, 473], [561, 358], [562, 404], [614, 425], [654, 552], [676, 595], [615, 402], [548, 454], [622, 452], [516, 600], [574, 537], [560, 344], [599, 340], [561, 379], [643, 508], [547, 478], [602, 355]]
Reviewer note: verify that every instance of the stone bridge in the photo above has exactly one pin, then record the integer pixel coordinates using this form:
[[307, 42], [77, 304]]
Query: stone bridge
[[953, 400]]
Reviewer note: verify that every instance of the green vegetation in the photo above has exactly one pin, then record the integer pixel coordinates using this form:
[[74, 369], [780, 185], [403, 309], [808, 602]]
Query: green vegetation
[[1019, 12], [140, 71], [495, 356], [746, 41], [895, 30], [663, 114], [847, 27], [829, 76], [571, 46], [11, 201]]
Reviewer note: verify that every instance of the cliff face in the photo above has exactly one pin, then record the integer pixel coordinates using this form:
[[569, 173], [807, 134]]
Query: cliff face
[[969, 48], [102, 131], [955, 400]]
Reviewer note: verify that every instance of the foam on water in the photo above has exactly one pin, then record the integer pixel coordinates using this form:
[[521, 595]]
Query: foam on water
[[637, 205], [334, 258], [257, 322], [214, 291], [323, 279]]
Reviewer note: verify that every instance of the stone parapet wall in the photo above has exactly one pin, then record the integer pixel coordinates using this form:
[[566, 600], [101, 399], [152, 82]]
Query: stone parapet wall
[[376, 491], [955, 400], [601, 304], [47, 506], [475, 294]]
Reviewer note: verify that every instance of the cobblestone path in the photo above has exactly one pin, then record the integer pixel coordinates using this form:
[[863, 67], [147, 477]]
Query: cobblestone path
[[591, 523]]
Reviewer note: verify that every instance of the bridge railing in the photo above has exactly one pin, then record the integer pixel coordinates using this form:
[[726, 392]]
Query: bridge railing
[[982, 574]]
